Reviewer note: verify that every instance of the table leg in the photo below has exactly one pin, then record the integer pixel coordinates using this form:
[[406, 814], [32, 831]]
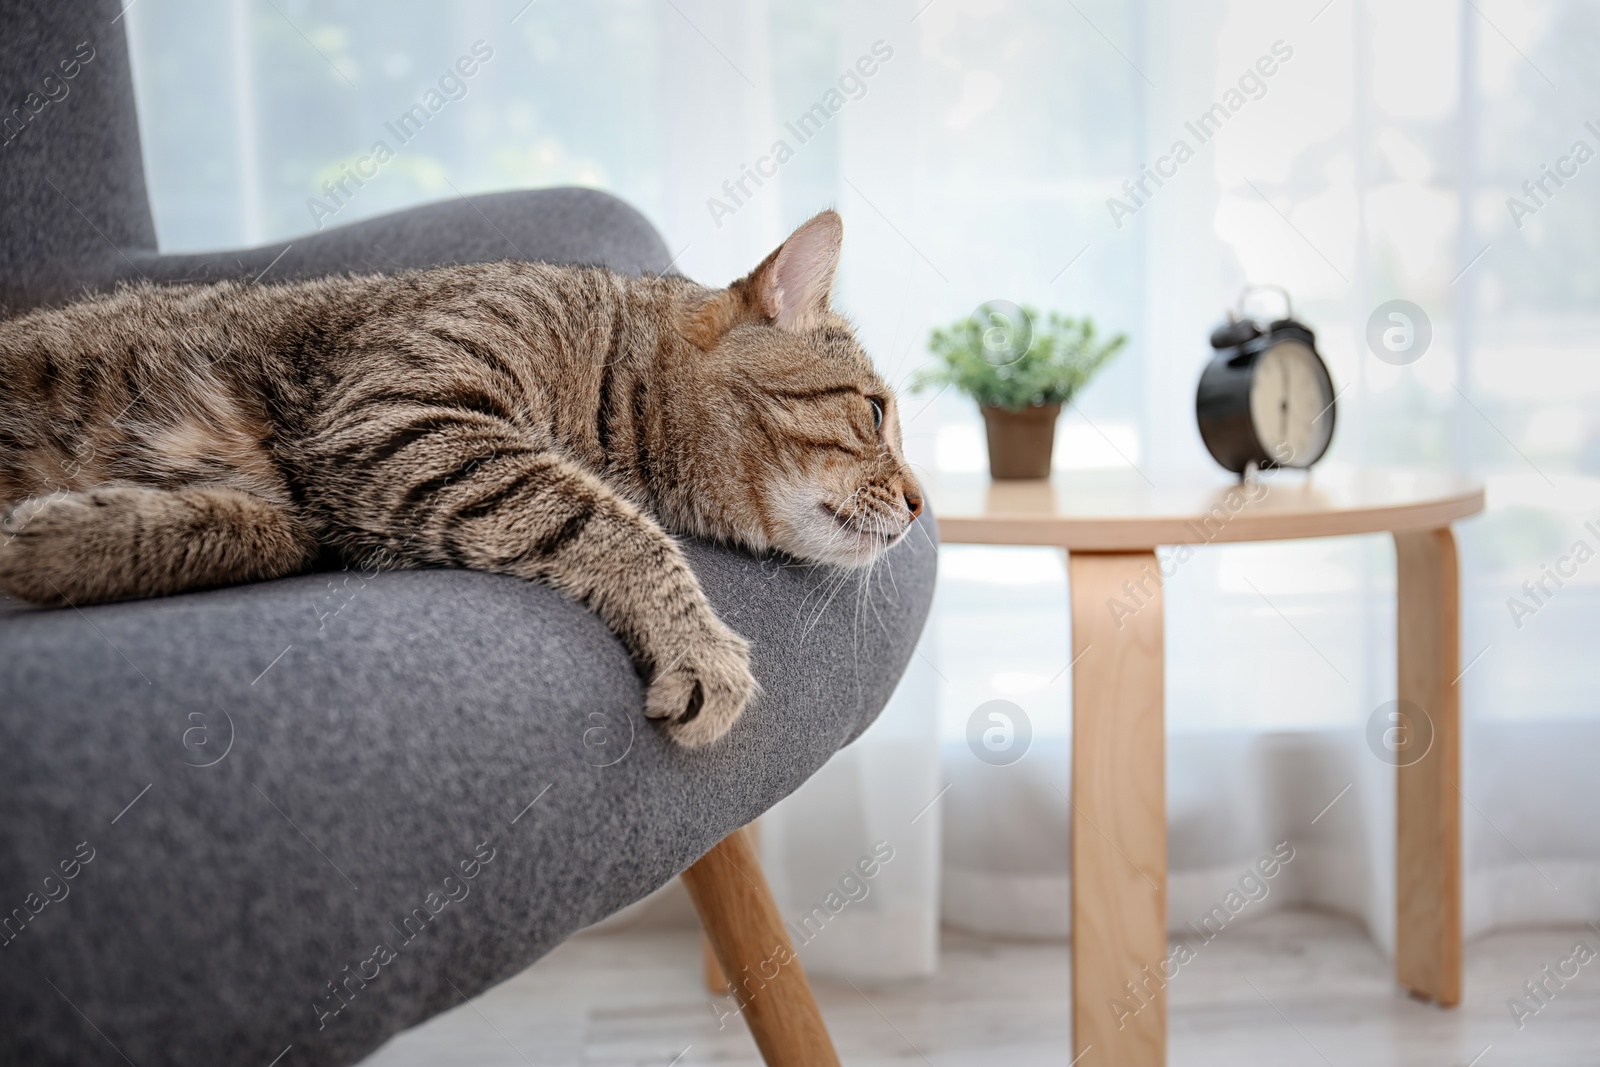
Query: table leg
[[1428, 803], [1119, 816]]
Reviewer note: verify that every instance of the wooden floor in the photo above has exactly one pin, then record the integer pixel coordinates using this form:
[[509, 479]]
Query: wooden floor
[[1290, 989]]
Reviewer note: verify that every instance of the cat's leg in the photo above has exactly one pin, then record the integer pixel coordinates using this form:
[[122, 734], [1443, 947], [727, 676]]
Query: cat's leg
[[120, 542], [472, 491], [555, 522]]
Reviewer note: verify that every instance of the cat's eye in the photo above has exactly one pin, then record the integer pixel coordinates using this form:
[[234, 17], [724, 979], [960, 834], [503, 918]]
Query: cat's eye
[[877, 412]]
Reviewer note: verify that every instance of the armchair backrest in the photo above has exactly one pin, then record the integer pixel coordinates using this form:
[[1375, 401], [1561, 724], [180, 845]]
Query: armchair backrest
[[73, 203]]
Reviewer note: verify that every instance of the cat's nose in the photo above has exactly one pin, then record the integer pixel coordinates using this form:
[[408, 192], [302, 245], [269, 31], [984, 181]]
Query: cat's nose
[[913, 502]]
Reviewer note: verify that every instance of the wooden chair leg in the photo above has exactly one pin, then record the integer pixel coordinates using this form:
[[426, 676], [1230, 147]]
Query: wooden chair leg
[[716, 981], [1427, 958], [748, 937]]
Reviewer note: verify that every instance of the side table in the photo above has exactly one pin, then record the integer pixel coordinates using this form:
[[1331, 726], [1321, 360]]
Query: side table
[[1110, 523]]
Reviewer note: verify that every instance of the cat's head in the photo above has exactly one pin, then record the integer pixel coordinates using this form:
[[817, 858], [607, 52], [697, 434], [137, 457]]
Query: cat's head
[[800, 435]]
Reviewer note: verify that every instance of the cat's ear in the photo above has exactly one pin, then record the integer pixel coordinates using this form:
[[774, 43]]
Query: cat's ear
[[790, 288]]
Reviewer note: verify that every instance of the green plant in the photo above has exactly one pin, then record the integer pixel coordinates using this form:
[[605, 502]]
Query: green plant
[[1015, 359]]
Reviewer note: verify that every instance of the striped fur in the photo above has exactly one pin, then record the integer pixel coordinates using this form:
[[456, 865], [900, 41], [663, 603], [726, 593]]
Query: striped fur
[[553, 423]]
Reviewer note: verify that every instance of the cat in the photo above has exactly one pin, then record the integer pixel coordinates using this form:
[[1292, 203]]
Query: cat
[[555, 423]]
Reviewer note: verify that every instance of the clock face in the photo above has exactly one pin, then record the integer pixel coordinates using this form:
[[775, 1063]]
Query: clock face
[[1291, 404]]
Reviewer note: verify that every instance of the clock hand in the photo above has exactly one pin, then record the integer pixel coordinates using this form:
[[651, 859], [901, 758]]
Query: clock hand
[[1283, 428]]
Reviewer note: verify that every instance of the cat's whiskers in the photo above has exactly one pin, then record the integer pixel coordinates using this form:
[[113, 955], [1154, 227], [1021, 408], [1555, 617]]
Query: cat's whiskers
[[878, 524], [833, 583]]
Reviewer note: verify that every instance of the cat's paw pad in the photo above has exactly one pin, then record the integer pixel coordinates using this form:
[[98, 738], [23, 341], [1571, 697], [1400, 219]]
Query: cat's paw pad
[[701, 693]]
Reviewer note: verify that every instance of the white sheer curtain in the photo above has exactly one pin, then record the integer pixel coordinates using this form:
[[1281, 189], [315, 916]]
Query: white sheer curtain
[[976, 162]]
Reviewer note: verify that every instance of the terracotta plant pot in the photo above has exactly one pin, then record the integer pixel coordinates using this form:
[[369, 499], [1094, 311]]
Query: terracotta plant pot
[[1020, 442]]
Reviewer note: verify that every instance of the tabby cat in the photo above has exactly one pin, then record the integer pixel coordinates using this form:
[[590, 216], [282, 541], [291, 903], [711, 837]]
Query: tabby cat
[[553, 423]]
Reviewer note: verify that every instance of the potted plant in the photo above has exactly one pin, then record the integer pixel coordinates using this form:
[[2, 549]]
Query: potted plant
[[1020, 369]]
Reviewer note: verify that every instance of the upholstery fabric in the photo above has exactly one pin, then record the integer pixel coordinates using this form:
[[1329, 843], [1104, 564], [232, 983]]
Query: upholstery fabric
[[322, 752], [255, 788], [71, 173]]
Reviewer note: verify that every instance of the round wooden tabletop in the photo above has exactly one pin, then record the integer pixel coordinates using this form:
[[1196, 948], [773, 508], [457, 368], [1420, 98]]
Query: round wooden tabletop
[[1121, 510]]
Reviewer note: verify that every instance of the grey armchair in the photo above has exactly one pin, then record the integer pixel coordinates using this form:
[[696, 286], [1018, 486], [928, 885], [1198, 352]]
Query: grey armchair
[[293, 818]]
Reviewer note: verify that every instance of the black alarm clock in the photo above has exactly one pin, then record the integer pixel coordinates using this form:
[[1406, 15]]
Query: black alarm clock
[[1265, 399]]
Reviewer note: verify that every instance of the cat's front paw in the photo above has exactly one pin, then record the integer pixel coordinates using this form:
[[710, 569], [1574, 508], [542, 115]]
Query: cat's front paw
[[38, 542], [703, 689]]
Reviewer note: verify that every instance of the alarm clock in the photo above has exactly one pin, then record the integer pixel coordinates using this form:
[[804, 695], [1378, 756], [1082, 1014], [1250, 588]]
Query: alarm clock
[[1266, 398]]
